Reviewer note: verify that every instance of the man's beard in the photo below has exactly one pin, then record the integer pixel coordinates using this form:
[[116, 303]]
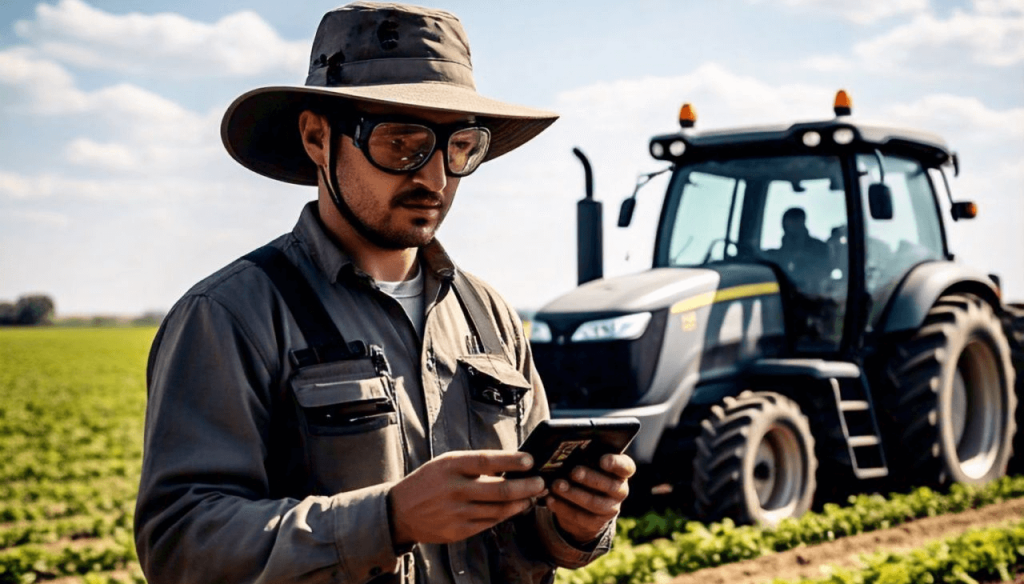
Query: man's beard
[[391, 239]]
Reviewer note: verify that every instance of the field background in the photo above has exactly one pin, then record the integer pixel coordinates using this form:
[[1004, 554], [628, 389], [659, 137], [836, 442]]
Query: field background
[[72, 407]]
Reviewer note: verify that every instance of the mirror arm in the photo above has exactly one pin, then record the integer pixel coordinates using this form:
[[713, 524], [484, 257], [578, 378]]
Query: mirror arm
[[626, 217], [881, 167], [949, 194]]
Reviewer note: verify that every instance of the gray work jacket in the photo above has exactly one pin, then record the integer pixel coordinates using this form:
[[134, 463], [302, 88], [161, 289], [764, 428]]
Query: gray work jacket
[[252, 470]]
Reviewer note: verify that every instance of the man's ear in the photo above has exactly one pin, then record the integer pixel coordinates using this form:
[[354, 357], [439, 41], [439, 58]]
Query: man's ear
[[315, 132]]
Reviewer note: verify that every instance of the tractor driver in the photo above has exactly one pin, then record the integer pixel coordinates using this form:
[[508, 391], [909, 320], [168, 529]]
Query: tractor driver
[[803, 257]]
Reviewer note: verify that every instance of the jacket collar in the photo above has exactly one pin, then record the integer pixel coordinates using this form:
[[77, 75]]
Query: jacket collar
[[333, 261]]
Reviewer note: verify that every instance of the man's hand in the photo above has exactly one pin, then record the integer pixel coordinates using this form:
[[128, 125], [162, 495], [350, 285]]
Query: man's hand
[[584, 507], [459, 494]]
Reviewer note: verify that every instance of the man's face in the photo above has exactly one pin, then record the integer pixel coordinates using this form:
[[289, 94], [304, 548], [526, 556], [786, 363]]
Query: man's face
[[794, 227], [395, 211]]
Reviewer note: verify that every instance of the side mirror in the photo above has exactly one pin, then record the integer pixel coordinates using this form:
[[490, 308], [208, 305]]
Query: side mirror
[[963, 210], [626, 212], [880, 201]]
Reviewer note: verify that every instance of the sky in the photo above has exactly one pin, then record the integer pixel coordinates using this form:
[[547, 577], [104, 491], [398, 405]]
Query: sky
[[116, 194]]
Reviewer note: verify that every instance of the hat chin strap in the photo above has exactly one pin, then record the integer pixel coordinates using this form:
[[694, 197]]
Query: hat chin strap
[[330, 179]]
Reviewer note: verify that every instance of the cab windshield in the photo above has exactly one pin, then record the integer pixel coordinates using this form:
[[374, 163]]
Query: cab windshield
[[722, 211], [786, 211]]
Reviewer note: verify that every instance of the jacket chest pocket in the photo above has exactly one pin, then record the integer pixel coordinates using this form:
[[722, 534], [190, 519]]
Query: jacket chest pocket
[[498, 399], [349, 424]]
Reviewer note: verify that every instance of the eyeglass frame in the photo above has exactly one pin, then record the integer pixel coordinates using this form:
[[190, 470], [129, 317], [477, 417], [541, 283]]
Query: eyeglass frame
[[360, 127]]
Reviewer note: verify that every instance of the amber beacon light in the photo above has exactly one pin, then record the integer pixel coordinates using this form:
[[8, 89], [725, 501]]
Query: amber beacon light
[[687, 116], [843, 105]]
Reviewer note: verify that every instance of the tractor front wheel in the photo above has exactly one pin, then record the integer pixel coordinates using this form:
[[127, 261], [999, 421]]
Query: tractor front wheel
[[755, 460]]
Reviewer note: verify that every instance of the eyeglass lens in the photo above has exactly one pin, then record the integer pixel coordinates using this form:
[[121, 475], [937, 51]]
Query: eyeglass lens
[[406, 147]]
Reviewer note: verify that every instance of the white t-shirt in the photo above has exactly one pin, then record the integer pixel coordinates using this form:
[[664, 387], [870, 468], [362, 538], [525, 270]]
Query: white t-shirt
[[408, 293]]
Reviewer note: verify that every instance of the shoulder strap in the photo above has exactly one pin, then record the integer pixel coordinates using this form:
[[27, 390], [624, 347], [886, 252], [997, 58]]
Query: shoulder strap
[[476, 310], [323, 337]]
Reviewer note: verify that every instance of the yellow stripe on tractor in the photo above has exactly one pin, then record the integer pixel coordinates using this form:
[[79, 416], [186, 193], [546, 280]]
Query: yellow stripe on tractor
[[725, 295]]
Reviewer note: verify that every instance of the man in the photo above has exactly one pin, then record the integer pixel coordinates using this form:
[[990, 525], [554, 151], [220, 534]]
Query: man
[[351, 421], [805, 258]]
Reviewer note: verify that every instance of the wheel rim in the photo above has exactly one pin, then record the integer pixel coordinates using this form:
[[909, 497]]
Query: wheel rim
[[778, 472], [975, 410]]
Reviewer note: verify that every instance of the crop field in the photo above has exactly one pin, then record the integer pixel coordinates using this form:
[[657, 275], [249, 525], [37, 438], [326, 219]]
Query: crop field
[[72, 403]]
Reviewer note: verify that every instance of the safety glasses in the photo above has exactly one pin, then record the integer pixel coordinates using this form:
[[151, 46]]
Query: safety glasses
[[399, 146]]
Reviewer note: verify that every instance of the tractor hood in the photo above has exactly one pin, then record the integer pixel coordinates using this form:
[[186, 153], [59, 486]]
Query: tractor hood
[[655, 289], [599, 352], [643, 292]]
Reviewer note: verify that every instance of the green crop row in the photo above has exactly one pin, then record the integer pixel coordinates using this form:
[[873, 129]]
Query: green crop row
[[30, 491], [654, 545], [979, 554], [92, 526], [32, 562], [12, 511]]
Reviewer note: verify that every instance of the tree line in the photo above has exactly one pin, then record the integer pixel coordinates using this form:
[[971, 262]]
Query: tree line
[[31, 309]]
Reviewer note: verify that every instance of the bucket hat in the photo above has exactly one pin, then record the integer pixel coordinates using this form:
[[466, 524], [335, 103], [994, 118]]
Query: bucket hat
[[369, 52]]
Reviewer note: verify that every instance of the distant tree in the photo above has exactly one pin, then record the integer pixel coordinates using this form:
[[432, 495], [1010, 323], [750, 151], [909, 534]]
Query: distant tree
[[8, 314], [34, 309], [150, 318], [104, 320]]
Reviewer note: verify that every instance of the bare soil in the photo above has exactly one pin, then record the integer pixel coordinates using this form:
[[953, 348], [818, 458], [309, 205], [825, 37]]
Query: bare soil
[[809, 561]]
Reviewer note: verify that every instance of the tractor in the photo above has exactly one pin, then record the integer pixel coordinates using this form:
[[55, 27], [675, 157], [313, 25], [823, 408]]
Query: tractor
[[803, 332]]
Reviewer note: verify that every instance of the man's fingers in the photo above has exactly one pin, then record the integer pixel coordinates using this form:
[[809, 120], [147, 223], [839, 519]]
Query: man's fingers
[[591, 502], [619, 465], [498, 512], [492, 489], [489, 462], [583, 525], [614, 487]]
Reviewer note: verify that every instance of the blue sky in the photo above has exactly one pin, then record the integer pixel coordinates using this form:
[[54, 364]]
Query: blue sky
[[116, 194]]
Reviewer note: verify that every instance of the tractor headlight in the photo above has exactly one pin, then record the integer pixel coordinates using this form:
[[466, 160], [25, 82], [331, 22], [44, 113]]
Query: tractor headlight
[[620, 328], [539, 331]]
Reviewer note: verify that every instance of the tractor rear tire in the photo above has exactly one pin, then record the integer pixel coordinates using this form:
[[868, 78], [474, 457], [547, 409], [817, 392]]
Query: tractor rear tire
[[951, 399], [755, 460]]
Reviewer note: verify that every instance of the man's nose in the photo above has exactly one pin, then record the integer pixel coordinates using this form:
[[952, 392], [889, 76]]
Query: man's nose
[[431, 175]]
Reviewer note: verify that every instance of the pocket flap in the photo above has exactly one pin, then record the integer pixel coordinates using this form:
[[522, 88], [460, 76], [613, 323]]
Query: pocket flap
[[327, 393], [497, 369]]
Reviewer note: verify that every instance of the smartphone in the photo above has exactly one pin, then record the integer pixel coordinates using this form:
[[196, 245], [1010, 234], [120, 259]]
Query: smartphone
[[560, 445]]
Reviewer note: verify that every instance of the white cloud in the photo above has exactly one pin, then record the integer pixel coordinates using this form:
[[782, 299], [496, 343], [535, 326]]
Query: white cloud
[[863, 12], [110, 156], [15, 187], [993, 36], [721, 98], [38, 84], [147, 132], [828, 63], [1008, 7], [47, 219], [239, 44], [966, 117]]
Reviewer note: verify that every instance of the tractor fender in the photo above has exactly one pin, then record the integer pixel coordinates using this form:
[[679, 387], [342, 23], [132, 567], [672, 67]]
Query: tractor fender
[[925, 284]]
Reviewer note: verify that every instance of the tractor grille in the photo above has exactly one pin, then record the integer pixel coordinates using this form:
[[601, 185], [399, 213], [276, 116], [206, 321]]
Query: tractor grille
[[597, 375]]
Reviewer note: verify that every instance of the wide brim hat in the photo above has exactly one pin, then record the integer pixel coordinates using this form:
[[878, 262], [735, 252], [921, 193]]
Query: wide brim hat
[[390, 54]]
